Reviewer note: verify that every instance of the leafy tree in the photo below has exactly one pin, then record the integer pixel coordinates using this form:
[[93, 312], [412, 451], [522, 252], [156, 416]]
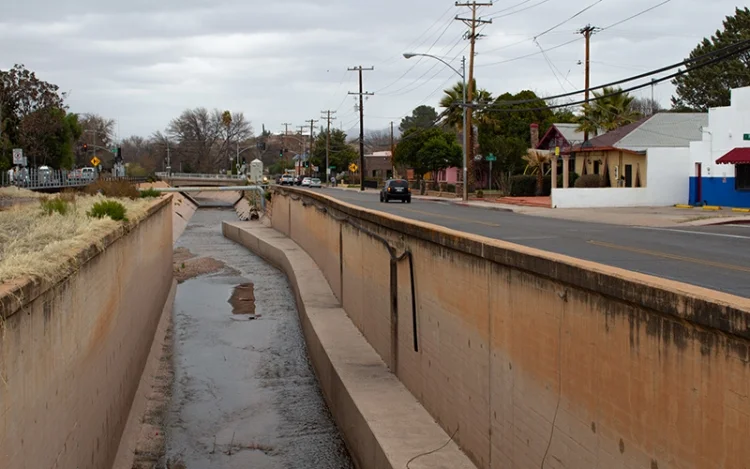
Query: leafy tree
[[427, 150], [97, 131], [33, 117], [279, 167], [710, 86], [505, 128], [341, 153], [536, 160], [607, 113], [422, 117]]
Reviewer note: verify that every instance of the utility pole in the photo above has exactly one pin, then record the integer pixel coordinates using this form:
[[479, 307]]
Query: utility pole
[[587, 32], [309, 156], [472, 36], [361, 94], [393, 150], [328, 119]]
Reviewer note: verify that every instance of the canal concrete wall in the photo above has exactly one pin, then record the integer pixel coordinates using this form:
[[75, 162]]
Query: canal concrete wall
[[72, 353], [382, 423], [536, 359]]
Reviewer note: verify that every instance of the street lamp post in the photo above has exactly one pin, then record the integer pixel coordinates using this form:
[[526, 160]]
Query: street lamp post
[[464, 106]]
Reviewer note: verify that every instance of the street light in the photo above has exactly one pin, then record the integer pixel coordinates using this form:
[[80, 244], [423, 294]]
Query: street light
[[464, 105]]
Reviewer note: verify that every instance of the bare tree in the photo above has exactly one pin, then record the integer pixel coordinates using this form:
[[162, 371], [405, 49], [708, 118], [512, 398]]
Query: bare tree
[[98, 131], [646, 106], [378, 140]]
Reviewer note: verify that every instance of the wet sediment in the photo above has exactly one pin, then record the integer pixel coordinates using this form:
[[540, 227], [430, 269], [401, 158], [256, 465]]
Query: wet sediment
[[244, 393]]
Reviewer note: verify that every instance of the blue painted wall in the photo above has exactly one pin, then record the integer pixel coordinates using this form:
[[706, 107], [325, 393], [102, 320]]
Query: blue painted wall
[[717, 192]]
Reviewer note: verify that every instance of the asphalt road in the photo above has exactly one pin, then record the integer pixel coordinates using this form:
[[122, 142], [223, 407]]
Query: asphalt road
[[716, 257]]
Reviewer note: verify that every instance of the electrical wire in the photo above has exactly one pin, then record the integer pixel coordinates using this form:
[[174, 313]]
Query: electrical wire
[[740, 46], [498, 16], [626, 90], [580, 12], [636, 15]]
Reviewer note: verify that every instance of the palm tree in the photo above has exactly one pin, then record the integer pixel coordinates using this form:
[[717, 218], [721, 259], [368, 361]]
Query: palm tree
[[607, 113], [535, 162], [452, 101]]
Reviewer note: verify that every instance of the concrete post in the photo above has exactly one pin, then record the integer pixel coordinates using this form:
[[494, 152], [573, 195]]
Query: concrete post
[[566, 176]]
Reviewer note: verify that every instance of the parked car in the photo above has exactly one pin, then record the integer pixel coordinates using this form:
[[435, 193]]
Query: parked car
[[298, 180], [305, 182], [314, 182], [287, 180], [396, 189]]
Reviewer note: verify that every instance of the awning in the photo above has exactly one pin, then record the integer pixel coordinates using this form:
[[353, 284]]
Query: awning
[[736, 156]]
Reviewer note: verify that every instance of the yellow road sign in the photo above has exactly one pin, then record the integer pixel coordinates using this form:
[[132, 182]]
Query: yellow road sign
[[353, 168], [95, 161]]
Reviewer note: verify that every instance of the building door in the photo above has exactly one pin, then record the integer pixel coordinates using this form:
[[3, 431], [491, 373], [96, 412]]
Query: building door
[[628, 175], [698, 183]]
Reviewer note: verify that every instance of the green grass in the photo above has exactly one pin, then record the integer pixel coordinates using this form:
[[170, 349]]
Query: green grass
[[56, 205], [108, 208], [149, 193]]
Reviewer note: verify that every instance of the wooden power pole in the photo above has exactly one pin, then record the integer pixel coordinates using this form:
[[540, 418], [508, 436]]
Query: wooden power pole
[[328, 119], [361, 94], [587, 32], [309, 154], [472, 36]]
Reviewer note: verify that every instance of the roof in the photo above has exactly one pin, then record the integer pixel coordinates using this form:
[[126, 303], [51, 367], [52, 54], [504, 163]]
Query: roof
[[736, 156], [662, 130], [567, 131], [382, 154]]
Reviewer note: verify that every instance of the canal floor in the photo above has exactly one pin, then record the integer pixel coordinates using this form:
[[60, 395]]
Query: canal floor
[[244, 393]]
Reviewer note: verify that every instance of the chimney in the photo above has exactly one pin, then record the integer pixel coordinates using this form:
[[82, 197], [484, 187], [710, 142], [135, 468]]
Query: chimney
[[534, 135]]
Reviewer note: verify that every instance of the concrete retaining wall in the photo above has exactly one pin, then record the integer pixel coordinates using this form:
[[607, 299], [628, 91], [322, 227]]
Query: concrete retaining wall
[[72, 353], [533, 357]]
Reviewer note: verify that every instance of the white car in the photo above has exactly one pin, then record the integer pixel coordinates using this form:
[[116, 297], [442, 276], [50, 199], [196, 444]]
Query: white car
[[306, 182], [314, 182]]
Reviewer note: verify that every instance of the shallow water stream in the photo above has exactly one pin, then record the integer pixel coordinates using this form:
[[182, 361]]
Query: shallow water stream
[[244, 394]]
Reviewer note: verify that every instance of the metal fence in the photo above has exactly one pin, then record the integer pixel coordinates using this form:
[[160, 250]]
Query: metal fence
[[47, 178], [200, 176]]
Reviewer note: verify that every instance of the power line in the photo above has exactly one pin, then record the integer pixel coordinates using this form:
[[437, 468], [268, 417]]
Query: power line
[[569, 19], [636, 15], [497, 15], [745, 47]]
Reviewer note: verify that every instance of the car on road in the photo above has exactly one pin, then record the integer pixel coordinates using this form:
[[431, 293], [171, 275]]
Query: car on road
[[305, 182], [314, 182], [298, 180], [287, 180], [396, 189]]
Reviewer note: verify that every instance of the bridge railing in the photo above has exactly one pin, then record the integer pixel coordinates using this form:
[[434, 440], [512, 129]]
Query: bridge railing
[[46, 178], [200, 176]]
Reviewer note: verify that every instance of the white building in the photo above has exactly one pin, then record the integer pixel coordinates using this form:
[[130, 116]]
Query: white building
[[719, 172]]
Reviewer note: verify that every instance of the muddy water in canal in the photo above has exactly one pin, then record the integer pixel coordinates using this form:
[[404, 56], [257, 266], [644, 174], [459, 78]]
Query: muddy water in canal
[[244, 393]]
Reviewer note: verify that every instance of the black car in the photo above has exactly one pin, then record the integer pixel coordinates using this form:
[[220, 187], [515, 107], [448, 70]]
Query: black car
[[396, 189]]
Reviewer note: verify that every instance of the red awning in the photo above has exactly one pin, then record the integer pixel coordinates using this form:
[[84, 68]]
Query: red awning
[[736, 156]]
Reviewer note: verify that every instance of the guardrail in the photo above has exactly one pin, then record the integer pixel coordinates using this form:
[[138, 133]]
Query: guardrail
[[201, 176], [35, 179]]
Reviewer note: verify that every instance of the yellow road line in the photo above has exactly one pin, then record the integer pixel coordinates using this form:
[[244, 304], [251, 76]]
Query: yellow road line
[[664, 255], [447, 217]]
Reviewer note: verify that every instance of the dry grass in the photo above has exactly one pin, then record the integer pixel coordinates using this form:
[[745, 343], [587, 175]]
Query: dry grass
[[41, 246], [113, 189], [18, 193]]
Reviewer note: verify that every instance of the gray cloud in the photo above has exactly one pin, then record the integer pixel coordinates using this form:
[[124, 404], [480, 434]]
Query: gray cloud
[[141, 62]]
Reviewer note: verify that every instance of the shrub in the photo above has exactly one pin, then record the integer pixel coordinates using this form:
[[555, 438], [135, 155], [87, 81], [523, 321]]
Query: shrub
[[524, 185], [108, 208], [450, 188], [480, 194], [56, 205], [268, 196], [113, 189], [588, 181], [150, 192]]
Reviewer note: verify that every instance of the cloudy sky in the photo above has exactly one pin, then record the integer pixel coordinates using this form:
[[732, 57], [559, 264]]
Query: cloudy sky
[[141, 62]]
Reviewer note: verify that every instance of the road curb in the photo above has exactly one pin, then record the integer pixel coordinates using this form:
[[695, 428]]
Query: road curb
[[496, 209]]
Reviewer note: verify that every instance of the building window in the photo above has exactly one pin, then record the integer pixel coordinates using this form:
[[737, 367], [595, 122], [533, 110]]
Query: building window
[[742, 177], [596, 167]]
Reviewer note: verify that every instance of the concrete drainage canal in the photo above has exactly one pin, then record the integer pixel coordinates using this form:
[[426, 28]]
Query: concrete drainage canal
[[243, 394]]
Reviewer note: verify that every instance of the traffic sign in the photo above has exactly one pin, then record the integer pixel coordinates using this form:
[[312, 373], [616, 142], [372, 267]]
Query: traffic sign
[[353, 168], [491, 157], [332, 167], [17, 156], [95, 161]]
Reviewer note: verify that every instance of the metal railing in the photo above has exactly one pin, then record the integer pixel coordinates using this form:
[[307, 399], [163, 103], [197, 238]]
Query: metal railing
[[47, 178], [201, 176]]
